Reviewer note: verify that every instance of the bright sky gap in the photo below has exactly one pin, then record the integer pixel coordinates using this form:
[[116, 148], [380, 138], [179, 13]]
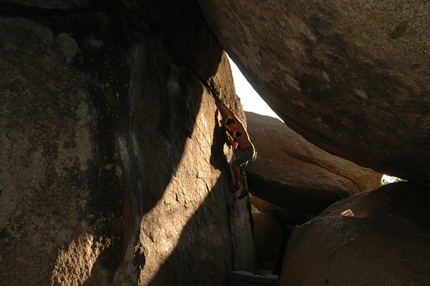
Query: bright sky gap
[[250, 99]]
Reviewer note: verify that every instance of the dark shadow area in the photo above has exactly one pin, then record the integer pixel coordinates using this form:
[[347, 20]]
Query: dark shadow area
[[101, 60], [164, 99], [204, 249], [410, 201], [286, 233], [150, 60], [290, 197], [141, 69], [164, 102], [181, 26], [223, 224], [218, 159]]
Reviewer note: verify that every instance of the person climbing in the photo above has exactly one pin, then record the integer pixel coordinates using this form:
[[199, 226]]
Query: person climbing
[[238, 137]]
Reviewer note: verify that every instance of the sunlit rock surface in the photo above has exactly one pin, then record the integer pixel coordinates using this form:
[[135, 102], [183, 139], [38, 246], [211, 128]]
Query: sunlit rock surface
[[386, 242], [113, 161], [113, 164], [352, 77], [297, 175]]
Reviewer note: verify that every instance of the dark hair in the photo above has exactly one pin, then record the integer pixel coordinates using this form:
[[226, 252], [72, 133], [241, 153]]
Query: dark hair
[[229, 121]]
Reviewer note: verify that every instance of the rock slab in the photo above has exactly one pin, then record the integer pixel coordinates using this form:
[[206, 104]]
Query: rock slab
[[113, 163], [386, 242], [297, 175], [352, 77]]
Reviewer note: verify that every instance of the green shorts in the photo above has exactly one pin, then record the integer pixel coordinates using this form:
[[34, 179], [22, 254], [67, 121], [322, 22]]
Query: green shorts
[[242, 161]]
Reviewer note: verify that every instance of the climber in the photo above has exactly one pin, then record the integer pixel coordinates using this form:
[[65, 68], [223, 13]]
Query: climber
[[238, 137]]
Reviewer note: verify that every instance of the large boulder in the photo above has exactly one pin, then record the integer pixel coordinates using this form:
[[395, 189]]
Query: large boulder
[[189, 228], [352, 77], [386, 242], [113, 161], [297, 175]]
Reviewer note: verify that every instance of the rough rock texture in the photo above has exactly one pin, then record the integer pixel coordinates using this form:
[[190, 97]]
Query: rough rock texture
[[53, 168], [352, 77], [190, 227], [113, 164], [295, 174], [387, 242]]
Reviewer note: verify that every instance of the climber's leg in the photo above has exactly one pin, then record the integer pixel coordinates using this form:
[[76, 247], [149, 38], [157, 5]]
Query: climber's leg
[[236, 177]]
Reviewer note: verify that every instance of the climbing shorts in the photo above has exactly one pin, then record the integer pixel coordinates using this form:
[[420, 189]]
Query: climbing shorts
[[242, 161]]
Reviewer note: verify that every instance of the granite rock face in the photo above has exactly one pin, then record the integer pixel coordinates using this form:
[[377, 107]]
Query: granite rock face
[[297, 175], [352, 77], [189, 227], [113, 164], [386, 242]]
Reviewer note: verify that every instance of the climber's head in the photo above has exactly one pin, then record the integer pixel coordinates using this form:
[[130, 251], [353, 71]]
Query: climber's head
[[231, 124]]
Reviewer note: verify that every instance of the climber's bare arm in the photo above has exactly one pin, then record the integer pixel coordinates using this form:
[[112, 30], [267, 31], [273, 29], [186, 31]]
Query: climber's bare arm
[[227, 110], [233, 143]]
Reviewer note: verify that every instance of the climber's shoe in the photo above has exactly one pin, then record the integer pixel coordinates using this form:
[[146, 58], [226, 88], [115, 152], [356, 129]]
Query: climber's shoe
[[243, 194]]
